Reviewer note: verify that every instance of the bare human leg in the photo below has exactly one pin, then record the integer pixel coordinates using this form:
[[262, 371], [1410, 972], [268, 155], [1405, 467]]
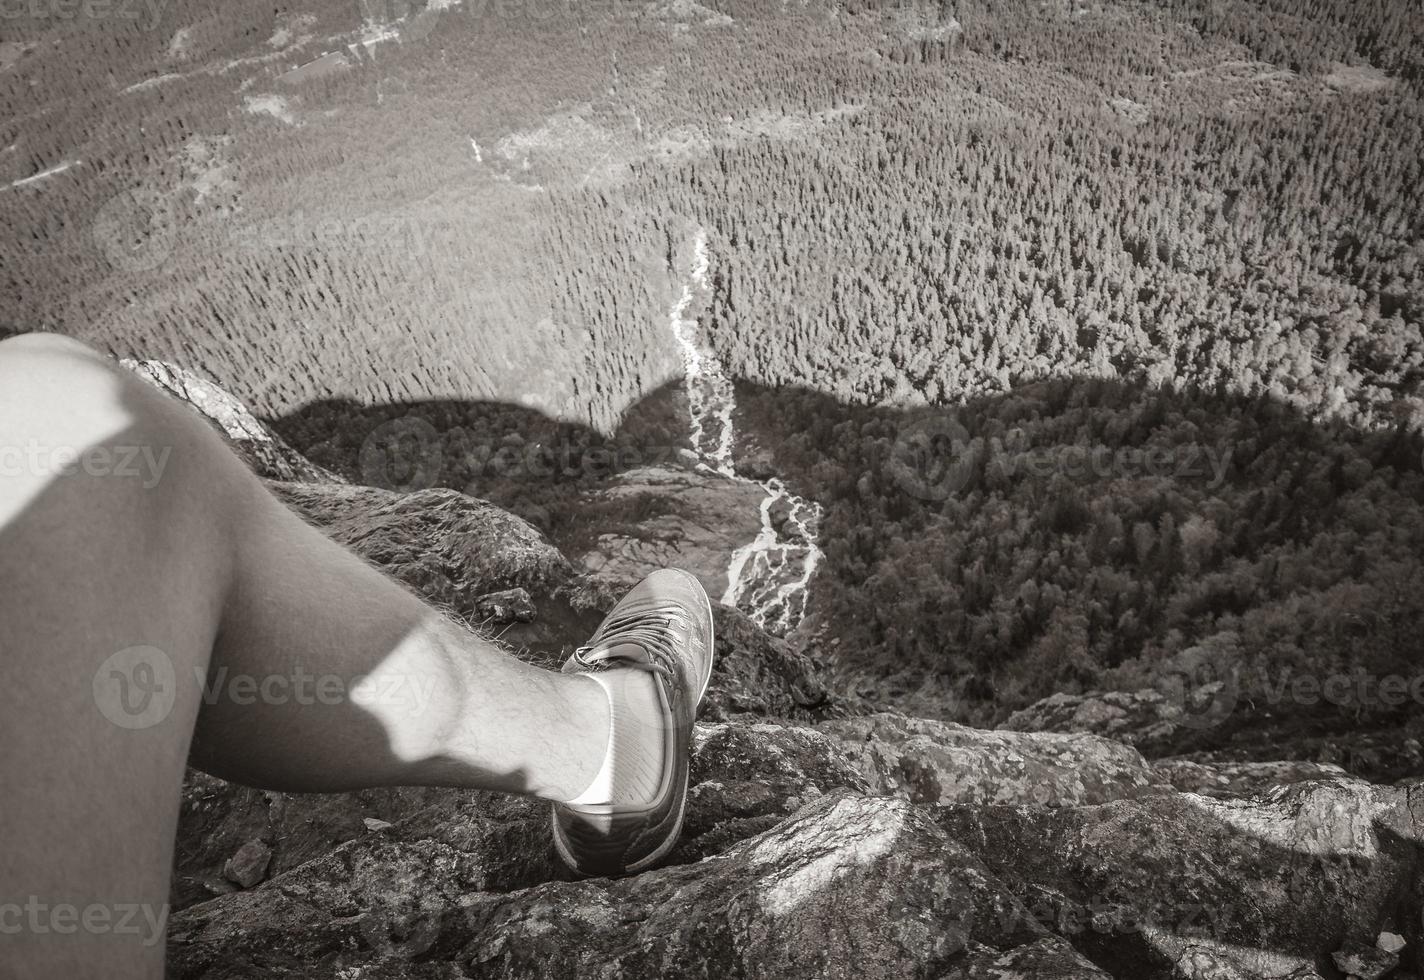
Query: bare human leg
[[145, 577]]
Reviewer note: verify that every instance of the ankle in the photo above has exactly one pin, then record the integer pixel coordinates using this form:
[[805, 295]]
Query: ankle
[[631, 768], [591, 727]]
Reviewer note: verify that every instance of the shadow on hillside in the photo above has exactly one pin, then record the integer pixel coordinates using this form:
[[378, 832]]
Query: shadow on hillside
[[1099, 478], [514, 455]]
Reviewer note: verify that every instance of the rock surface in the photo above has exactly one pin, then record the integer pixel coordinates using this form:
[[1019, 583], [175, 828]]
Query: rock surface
[[1231, 779], [1143, 718], [1365, 962], [745, 778], [217, 818], [847, 886], [1265, 887], [506, 606], [937, 762], [783, 840], [1205, 725], [249, 865], [656, 516], [449, 547], [267, 453]]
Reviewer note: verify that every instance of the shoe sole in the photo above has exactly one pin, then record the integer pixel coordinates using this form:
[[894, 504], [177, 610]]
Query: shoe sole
[[675, 834]]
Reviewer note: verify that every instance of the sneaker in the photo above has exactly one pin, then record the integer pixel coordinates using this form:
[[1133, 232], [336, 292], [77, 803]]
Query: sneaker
[[664, 626]]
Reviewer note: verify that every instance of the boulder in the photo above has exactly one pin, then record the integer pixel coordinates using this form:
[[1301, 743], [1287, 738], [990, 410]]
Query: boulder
[[249, 865], [1380, 755], [659, 516], [448, 546], [1364, 962], [847, 886], [744, 780], [506, 606], [938, 762], [1144, 719], [451, 548], [1216, 723], [1184, 885], [760, 674], [1228, 779]]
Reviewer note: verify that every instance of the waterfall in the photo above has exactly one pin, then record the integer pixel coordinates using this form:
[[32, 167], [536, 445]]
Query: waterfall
[[769, 577]]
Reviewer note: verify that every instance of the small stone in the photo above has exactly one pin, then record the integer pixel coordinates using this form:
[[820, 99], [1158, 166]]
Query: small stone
[[508, 606], [1389, 942], [249, 865], [1365, 962], [373, 824]]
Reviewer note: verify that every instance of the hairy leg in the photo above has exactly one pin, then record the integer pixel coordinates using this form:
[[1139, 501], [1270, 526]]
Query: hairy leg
[[155, 598]]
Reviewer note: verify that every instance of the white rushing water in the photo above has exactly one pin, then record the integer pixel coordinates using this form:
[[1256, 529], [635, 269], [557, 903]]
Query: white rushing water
[[769, 577]]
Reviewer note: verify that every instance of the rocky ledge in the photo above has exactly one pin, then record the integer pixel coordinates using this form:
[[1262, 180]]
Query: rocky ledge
[[659, 516], [819, 842]]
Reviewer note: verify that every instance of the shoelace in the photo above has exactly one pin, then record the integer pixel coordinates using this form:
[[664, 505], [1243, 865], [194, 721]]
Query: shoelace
[[650, 629]]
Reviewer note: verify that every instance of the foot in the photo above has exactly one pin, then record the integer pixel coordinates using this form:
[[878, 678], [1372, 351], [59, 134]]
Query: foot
[[662, 627]]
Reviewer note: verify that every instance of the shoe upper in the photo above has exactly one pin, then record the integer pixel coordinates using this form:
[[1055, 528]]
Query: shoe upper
[[663, 625]]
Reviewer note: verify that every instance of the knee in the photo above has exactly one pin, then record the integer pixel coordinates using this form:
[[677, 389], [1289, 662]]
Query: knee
[[40, 347], [65, 407], [50, 370]]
